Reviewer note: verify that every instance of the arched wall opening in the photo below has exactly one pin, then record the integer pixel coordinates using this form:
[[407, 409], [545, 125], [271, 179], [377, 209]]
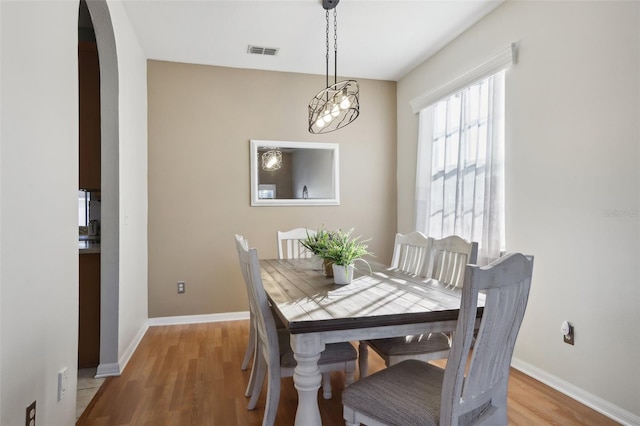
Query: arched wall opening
[[110, 224]]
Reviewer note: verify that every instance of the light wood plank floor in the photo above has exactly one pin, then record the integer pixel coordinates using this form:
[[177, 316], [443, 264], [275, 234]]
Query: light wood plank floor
[[190, 375]]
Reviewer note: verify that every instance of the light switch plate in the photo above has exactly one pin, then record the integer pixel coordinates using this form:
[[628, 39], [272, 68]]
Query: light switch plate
[[63, 381]]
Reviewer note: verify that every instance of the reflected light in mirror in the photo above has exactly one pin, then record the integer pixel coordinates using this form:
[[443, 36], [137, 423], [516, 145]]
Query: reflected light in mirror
[[271, 160]]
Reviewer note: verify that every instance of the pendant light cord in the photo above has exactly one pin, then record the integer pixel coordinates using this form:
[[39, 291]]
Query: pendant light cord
[[335, 49], [335, 45], [327, 56]]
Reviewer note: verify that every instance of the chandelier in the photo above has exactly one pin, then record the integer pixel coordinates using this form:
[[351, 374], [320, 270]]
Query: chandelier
[[336, 105], [271, 160]]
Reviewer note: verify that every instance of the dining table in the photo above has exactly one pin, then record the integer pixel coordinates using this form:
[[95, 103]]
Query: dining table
[[380, 302]]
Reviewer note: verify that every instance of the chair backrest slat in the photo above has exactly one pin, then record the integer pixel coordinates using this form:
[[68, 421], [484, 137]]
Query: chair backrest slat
[[505, 284], [411, 253], [289, 246], [449, 257]]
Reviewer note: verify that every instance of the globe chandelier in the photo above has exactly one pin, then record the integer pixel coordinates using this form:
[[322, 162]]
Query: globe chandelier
[[336, 105]]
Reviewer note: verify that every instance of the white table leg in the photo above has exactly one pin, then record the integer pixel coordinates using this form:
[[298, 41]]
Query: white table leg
[[307, 377]]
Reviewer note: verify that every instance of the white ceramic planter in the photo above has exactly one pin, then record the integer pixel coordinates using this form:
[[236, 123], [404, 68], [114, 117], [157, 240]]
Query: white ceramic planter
[[342, 274], [316, 262]]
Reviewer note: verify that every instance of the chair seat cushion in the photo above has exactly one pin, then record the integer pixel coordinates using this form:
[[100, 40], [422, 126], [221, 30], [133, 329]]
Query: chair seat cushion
[[410, 345], [333, 352], [406, 394]]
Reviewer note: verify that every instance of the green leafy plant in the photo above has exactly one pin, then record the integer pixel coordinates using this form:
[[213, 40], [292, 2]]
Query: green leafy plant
[[317, 243], [343, 249]]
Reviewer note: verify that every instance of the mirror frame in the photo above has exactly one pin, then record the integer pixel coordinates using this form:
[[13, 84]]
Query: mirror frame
[[255, 145]]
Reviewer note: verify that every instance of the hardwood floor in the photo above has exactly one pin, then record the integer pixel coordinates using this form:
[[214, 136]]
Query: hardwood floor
[[190, 375]]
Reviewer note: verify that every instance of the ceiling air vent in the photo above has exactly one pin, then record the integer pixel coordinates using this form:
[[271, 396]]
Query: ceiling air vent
[[257, 50]]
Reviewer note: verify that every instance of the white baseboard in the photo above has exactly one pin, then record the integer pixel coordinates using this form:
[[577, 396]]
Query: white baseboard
[[108, 370], [128, 353], [115, 369], [600, 405], [195, 319]]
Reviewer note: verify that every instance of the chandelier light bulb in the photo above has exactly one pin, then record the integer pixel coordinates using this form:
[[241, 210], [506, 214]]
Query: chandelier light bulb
[[345, 103], [335, 110], [326, 114], [320, 122]]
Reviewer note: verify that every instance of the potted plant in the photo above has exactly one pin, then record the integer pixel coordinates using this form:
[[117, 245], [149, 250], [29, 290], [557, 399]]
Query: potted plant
[[343, 250], [317, 244]]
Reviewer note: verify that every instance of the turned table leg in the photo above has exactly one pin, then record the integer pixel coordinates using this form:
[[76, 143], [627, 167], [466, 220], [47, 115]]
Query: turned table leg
[[307, 377]]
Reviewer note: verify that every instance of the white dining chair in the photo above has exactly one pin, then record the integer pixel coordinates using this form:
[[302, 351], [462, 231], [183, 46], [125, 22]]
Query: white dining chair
[[446, 260], [411, 253], [289, 246], [274, 356], [418, 393]]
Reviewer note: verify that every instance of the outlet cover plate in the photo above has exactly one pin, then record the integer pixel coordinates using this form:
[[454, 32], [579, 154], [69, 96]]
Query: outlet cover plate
[[31, 414]]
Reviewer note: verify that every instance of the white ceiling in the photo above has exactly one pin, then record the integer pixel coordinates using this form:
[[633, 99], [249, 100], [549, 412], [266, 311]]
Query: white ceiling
[[376, 39]]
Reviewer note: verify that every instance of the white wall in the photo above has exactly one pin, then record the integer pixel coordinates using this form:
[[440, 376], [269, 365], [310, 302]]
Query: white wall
[[132, 66], [38, 170], [572, 151]]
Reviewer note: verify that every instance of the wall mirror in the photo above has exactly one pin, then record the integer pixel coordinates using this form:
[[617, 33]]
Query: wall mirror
[[294, 173]]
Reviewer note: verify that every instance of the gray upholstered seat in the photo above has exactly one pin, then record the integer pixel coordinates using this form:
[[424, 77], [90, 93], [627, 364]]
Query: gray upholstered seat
[[414, 392], [411, 392], [411, 345]]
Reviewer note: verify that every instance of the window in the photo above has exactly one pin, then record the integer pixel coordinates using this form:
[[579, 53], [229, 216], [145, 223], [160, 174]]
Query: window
[[460, 170], [83, 208]]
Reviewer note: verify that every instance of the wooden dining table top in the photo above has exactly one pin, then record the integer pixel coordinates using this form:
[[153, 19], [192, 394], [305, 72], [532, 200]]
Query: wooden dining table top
[[307, 301]]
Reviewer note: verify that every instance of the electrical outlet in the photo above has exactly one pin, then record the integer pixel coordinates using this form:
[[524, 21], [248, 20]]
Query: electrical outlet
[[63, 380], [31, 414], [181, 287]]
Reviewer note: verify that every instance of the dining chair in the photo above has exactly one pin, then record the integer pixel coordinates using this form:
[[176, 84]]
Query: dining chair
[[274, 356], [289, 246], [411, 253], [449, 257], [415, 392], [445, 261]]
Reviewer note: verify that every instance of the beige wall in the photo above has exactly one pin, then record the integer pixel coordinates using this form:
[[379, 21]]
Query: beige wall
[[201, 119], [572, 151]]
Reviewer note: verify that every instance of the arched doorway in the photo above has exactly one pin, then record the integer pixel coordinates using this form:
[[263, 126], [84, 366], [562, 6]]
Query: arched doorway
[[109, 250]]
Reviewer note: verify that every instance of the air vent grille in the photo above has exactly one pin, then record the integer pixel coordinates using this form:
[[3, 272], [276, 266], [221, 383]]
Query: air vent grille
[[257, 50]]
